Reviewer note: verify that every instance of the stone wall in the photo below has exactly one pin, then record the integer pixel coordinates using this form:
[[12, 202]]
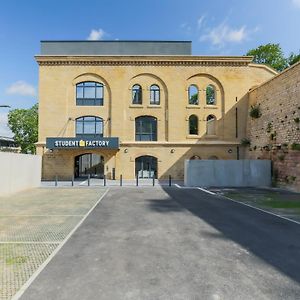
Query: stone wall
[[276, 132]]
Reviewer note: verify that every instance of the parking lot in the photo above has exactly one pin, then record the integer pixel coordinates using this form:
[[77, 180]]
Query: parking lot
[[174, 243], [33, 225]]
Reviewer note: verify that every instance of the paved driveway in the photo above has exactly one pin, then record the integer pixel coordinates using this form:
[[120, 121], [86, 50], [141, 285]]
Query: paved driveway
[[154, 243]]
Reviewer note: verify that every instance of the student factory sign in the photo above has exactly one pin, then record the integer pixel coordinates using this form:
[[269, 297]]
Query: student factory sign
[[71, 143]]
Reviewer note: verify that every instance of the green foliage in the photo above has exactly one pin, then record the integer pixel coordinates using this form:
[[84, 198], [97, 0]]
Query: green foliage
[[297, 120], [245, 142], [293, 58], [295, 146], [194, 99], [269, 54], [255, 111], [24, 125]]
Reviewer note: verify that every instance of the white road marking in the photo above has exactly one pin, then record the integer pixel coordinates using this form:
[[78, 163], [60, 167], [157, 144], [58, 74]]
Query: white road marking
[[206, 191], [249, 205], [83, 182], [177, 185], [47, 261]]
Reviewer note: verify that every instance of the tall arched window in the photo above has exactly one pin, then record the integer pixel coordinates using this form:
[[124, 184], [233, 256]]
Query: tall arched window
[[146, 166], [193, 125], [154, 94], [193, 95], [210, 95], [146, 128], [89, 127], [211, 125], [137, 94], [89, 93]]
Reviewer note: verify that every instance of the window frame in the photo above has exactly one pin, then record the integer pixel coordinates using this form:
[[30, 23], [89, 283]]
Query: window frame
[[139, 92], [90, 101], [140, 131], [155, 92], [189, 94], [196, 130], [84, 122]]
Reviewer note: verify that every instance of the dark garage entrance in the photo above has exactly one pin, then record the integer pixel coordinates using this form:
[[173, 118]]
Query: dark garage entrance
[[89, 164], [146, 166]]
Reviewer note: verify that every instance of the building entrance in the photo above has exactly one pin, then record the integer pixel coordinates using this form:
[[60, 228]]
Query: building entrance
[[89, 164], [146, 166]]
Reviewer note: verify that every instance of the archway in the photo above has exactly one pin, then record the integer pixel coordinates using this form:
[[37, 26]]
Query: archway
[[146, 166], [89, 164]]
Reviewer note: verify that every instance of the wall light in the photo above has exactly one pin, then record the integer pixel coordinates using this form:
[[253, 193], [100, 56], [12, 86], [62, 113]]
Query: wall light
[[125, 150], [172, 150], [229, 150]]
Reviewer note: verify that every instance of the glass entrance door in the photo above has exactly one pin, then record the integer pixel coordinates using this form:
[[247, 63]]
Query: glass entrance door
[[89, 164], [146, 166]]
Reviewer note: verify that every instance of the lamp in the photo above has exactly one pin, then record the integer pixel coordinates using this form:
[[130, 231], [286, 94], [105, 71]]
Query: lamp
[[172, 150]]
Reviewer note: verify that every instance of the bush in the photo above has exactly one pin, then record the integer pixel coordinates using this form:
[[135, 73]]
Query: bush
[[245, 142], [255, 112]]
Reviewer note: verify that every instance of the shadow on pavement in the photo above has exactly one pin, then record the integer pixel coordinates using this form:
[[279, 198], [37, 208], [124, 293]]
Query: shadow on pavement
[[272, 239]]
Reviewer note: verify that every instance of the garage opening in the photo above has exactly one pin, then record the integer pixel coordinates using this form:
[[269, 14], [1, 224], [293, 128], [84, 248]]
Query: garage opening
[[89, 164], [146, 166]]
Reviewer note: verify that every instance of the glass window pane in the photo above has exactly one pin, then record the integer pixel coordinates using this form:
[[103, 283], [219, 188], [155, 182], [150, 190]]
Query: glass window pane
[[79, 92], [79, 127], [89, 92], [89, 127], [99, 92], [89, 83], [193, 95], [99, 128]]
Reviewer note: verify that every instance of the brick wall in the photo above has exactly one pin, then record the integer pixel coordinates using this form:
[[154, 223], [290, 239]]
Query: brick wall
[[273, 133]]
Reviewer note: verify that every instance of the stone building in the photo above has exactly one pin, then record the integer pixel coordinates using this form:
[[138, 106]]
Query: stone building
[[139, 107], [275, 134]]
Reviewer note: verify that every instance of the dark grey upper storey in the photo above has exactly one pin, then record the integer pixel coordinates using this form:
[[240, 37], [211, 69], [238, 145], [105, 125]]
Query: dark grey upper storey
[[116, 48]]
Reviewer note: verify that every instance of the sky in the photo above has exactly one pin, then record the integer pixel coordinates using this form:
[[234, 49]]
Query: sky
[[215, 27]]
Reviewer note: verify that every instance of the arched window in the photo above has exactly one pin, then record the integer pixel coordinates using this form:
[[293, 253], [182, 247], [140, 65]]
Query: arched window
[[137, 94], [195, 157], [146, 128], [193, 125], [193, 95], [210, 95], [211, 125], [89, 127], [89, 93], [154, 94]]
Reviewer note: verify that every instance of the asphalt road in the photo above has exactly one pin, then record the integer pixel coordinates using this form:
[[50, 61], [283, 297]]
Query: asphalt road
[[154, 243]]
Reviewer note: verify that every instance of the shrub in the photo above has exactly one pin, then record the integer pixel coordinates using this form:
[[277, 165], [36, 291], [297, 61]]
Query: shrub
[[245, 142], [255, 112], [295, 146]]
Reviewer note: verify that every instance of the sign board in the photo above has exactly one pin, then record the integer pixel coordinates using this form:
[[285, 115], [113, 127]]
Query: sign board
[[85, 143]]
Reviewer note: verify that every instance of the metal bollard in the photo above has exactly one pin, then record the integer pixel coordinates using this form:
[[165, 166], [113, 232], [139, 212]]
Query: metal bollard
[[104, 180], [170, 180], [121, 180], [56, 179], [89, 177], [153, 180], [72, 180], [137, 179]]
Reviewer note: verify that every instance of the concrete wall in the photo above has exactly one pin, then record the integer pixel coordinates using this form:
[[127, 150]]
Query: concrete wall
[[19, 172], [273, 134], [227, 173]]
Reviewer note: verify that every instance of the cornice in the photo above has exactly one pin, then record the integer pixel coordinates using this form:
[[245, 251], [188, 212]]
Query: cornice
[[59, 60]]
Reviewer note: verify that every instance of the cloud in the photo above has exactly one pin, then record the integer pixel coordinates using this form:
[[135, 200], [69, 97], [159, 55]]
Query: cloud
[[186, 28], [223, 33], [296, 2], [4, 130], [96, 35], [21, 88], [200, 21]]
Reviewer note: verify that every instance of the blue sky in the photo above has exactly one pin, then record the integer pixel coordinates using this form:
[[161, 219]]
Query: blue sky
[[216, 27]]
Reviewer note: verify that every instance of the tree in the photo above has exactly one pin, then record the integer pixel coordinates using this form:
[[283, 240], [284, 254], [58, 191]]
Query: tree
[[293, 58], [24, 125], [269, 54]]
